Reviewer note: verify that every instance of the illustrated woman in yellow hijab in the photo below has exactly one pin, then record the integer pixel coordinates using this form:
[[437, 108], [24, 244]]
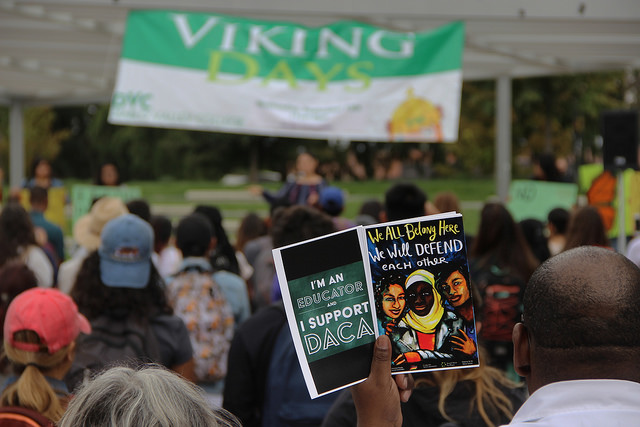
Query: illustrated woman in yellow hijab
[[422, 335]]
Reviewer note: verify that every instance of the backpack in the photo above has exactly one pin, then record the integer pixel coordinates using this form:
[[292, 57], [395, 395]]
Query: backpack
[[15, 416], [501, 294], [287, 402], [113, 341], [198, 300]]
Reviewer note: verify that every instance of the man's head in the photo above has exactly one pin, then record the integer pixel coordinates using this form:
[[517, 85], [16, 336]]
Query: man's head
[[404, 201], [581, 319], [193, 235], [298, 223], [39, 199]]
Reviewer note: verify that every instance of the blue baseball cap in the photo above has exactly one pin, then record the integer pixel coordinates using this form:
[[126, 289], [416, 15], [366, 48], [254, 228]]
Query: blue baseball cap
[[125, 252], [332, 200]]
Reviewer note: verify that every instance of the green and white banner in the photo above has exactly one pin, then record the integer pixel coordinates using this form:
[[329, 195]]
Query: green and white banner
[[346, 80]]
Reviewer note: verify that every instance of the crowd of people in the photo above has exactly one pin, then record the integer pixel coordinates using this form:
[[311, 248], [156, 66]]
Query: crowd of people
[[149, 322]]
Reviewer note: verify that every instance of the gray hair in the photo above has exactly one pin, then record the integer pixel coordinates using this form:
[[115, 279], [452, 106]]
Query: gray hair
[[150, 396]]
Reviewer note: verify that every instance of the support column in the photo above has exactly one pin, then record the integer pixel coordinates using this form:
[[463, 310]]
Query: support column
[[503, 137], [16, 145]]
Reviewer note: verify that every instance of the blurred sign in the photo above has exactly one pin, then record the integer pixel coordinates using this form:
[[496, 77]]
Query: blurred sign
[[534, 199], [83, 196]]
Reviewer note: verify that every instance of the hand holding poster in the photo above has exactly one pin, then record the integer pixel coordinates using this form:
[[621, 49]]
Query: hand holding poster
[[344, 80], [407, 279]]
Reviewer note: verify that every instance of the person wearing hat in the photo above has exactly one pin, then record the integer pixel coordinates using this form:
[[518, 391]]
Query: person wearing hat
[[332, 203], [86, 233], [40, 331], [118, 288], [427, 326]]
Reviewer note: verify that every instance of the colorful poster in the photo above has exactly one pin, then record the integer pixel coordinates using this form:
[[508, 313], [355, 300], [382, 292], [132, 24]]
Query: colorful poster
[[407, 279], [422, 292], [601, 188], [344, 80]]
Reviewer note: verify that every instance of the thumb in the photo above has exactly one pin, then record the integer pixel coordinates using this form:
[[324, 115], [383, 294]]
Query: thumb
[[381, 363]]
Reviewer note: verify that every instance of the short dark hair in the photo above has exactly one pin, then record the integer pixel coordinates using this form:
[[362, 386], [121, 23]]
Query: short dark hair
[[193, 235], [299, 222], [404, 201], [585, 297], [162, 228], [559, 218], [38, 195], [141, 208]]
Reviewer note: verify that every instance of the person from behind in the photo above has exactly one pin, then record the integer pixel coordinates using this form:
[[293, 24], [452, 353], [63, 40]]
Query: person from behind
[[586, 228], [166, 256], [534, 233], [447, 201], [86, 233], [18, 241], [15, 278], [332, 203], [500, 263], [557, 223], [404, 201], [150, 396], [40, 331], [264, 385], [200, 301], [122, 294], [195, 238], [251, 227], [222, 255], [39, 201], [259, 255], [141, 208], [545, 168], [577, 347], [370, 212]]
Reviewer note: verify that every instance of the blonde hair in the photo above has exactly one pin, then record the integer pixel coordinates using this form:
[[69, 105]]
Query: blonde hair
[[488, 396], [31, 389]]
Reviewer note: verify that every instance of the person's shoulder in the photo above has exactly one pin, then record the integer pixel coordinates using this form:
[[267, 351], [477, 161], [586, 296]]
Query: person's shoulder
[[270, 315], [166, 321], [228, 278]]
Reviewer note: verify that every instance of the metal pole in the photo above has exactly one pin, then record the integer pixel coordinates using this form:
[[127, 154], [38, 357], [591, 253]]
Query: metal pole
[[503, 137], [16, 145], [622, 232]]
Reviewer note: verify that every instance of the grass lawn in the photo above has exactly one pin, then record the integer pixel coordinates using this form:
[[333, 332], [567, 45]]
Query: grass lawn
[[177, 198], [170, 196]]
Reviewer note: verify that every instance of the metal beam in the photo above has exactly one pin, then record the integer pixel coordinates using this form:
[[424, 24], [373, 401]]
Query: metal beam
[[503, 137], [16, 145]]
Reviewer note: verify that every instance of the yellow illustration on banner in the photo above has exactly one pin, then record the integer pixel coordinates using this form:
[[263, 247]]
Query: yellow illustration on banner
[[416, 117]]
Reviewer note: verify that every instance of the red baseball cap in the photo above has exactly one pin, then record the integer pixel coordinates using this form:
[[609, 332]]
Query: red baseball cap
[[48, 312]]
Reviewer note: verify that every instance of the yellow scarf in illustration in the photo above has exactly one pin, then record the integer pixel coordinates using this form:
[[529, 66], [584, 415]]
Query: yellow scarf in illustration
[[425, 324]]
